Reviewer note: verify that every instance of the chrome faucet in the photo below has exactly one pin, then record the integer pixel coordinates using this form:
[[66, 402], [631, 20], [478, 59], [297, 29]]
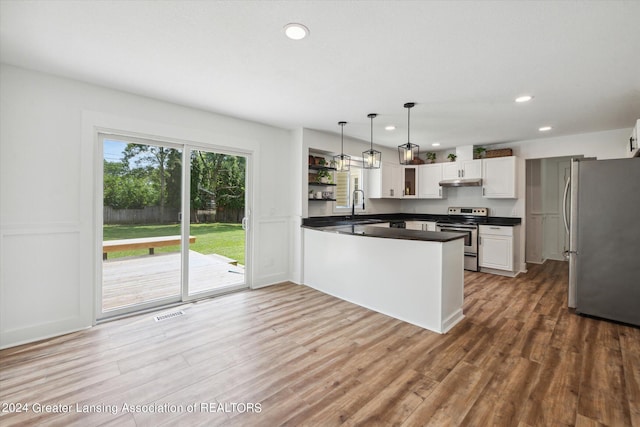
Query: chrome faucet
[[353, 203]]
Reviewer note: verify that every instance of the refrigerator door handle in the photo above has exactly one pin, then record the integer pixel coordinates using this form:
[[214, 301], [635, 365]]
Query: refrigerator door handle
[[564, 204]]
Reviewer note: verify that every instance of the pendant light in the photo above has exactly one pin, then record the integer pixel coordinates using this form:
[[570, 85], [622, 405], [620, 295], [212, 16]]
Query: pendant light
[[407, 152], [343, 162], [371, 158]]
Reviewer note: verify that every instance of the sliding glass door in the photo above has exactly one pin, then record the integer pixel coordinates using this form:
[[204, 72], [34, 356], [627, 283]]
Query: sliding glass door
[[217, 209], [153, 254]]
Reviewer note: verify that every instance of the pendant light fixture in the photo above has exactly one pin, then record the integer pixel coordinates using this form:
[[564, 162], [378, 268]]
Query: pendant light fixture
[[407, 152], [343, 162], [371, 158]]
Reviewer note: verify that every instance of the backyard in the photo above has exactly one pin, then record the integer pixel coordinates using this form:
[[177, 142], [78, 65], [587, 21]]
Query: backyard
[[211, 238]]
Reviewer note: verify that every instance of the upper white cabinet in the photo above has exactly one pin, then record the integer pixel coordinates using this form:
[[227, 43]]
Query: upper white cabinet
[[499, 178], [384, 183], [410, 181], [429, 177], [463, 169]]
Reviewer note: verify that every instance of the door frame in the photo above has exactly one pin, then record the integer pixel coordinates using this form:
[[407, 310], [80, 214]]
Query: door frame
[[185, 224], [186, 147]]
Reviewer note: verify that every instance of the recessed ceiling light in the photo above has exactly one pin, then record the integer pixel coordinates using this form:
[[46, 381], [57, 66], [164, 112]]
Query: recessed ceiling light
[[435, 144], [390, 127], [296, 31], [524, 98], [544, 128]]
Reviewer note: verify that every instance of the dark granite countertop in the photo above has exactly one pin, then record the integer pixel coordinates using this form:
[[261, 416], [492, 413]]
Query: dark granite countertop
[[388, 233], [323, 221]]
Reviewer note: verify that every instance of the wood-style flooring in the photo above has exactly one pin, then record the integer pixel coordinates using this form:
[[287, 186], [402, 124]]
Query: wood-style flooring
[[519, 358]]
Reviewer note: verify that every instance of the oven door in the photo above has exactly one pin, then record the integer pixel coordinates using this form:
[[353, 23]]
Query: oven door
[[470, 243], [470, 235]]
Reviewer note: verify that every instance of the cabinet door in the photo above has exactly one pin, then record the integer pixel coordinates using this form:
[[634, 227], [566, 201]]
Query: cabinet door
[[499, 177], [410, 181], [391, 181], [420, 225], [496, 252], [429, 177], [413, 225], [451, 170], [384, 183], [374, 183], [471, 169]]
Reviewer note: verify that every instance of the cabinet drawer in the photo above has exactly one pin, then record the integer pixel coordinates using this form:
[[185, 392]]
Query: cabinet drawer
[[496, 230]]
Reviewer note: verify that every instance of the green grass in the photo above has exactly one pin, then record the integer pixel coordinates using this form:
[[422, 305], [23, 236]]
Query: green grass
[[216, 238]]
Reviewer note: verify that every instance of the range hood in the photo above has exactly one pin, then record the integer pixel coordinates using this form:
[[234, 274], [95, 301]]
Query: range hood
[[461, 182]]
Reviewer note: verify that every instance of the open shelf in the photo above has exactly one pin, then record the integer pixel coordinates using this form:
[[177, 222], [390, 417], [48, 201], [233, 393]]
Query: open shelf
[[320, 184], [321, 168], [322, 200]]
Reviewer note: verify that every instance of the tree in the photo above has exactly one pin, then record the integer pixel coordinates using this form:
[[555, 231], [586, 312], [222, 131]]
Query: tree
[[218, 180], [124, 189], [153, 159]]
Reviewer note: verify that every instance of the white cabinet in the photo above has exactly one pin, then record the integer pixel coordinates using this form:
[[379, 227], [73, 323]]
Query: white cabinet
[[633, 145], [450, 170], [499, 178], [384, 183], [410, 181], [464, 169], [421, 225], [496, 247], [429, 177]]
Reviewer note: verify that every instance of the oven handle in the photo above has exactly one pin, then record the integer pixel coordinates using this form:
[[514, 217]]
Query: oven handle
[[457, 229]]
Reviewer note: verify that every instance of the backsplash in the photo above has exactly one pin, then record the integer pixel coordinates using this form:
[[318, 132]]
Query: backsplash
[[463, 197], [456, 196]]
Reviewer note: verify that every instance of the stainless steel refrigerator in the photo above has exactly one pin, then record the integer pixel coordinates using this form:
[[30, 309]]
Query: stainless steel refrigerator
[[602, 216]]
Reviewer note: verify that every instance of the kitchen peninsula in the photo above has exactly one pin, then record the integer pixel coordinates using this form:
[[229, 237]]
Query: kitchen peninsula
[[414, 276]]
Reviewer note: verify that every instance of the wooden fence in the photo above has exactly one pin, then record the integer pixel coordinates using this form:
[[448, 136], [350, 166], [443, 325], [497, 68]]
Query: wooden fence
[[156, 215], [147, 215]]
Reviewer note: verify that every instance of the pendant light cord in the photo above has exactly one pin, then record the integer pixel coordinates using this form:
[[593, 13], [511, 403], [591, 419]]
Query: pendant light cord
[[372, 116], [408, 125], [408, 106]]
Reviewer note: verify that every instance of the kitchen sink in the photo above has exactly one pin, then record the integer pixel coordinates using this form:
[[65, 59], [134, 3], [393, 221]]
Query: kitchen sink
[[357, 221]]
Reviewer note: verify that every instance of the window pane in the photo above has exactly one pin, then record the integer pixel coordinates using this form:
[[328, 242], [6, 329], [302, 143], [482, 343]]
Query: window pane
[[347, 183], [342, 190]]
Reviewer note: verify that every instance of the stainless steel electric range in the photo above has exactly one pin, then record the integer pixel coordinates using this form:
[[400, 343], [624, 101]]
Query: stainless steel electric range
[[465, 220]]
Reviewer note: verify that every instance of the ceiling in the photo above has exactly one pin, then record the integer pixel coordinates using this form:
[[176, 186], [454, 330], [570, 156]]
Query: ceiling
[[462, 62]]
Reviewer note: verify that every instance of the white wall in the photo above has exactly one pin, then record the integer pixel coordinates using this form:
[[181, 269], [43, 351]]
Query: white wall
[[602, 145], [48, 245]]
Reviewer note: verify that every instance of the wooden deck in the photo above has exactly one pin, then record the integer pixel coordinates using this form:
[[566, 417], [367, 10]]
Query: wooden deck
[[135, 280]]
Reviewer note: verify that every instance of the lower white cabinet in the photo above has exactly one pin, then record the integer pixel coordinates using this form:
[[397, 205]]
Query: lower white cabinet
[[496, 247], [421, 225]]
